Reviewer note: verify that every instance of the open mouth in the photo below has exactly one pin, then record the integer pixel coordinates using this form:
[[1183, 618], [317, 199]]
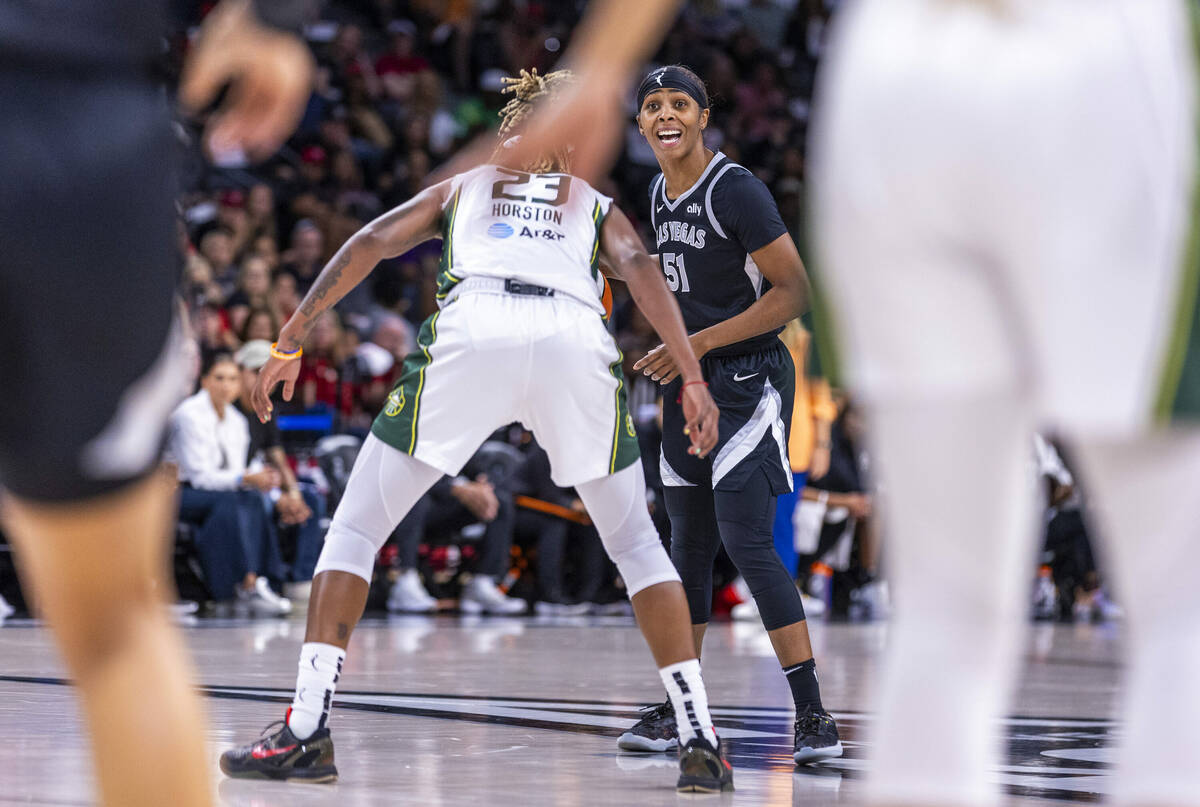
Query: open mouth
[[670, 137]]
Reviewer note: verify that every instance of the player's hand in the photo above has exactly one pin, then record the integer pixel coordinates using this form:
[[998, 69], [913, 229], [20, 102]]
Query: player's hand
[[269, 73], [274, 371], [700, 414], [659, 364]]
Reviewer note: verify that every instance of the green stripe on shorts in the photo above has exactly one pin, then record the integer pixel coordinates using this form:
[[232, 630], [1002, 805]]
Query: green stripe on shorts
[[1179, 389], [397, 424], [624, 441]]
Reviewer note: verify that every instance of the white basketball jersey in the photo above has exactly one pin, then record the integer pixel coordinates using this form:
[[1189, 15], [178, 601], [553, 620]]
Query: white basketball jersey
[[540, 229]]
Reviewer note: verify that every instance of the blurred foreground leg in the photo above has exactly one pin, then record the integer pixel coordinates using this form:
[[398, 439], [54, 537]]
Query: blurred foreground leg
[[91, 567], [958, 507], [1146, 492]]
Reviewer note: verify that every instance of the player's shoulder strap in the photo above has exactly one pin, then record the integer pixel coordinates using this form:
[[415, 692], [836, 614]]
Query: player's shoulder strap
[[729, 166]]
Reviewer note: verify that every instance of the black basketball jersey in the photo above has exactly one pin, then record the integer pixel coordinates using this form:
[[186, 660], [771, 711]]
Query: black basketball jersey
[[704, 240]]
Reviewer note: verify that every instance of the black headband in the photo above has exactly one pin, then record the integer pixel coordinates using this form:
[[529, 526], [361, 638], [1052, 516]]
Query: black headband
[[672, 78]]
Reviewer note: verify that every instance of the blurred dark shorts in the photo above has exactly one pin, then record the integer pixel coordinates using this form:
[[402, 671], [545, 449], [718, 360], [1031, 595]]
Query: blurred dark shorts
[[90, 365]]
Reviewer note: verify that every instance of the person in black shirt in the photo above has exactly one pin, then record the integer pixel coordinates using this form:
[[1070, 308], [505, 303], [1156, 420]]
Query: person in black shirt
[[738, 279], [90, 360], [300, 509]]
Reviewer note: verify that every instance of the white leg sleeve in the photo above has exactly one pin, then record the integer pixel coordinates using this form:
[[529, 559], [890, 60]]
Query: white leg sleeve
[[383, 487], [617, 506], [1145, 492]]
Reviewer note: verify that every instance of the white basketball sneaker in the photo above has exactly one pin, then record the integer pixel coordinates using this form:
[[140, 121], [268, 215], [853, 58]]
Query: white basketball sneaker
[[481, 596], [408, 596], [263, 601]]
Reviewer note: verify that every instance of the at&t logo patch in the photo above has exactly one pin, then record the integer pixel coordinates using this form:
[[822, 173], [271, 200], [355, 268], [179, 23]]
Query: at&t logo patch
[[500, 230]]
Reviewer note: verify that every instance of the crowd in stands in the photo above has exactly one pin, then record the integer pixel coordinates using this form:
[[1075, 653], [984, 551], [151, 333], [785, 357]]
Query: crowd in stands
[[400, 85]]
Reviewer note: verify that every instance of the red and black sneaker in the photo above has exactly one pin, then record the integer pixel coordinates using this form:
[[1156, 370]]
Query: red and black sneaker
[[702, 768], [282, 756]]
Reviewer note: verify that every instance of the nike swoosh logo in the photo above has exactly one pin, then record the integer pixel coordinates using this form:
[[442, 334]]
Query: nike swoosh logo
[[267, 753], [737, 377], [659, 208]]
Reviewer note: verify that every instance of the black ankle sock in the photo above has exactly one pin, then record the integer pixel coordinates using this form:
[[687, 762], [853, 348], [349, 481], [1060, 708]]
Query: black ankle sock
[[806, 692]]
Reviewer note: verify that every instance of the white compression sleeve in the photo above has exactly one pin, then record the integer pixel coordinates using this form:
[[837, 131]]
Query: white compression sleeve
[[617, 506], [383, 487]]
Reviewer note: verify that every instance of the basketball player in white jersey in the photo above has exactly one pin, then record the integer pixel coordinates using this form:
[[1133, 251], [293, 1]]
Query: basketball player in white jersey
[[1002, 191], [520, 336]]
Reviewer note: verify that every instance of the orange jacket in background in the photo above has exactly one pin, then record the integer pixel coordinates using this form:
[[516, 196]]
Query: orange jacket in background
[[813, 399]]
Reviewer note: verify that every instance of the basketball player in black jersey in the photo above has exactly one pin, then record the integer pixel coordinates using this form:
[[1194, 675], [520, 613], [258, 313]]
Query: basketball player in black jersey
[[737, 277], [90, 361]]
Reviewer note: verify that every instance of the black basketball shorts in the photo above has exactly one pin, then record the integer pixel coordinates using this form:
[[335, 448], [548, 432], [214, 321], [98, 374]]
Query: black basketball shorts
[[754, 392], [90, 362]]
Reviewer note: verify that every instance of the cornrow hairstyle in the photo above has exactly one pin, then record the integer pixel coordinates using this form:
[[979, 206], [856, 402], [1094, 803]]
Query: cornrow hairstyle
[[527, 88]]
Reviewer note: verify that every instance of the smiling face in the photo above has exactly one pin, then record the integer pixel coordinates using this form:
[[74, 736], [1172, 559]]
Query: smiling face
[[672, 123]]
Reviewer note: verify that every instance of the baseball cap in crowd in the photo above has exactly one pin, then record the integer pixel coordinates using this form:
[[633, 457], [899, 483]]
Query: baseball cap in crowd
[[253, 355]]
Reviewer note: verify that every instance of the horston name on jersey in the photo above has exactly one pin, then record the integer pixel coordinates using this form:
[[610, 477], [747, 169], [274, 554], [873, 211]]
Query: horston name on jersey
[[526, 212]]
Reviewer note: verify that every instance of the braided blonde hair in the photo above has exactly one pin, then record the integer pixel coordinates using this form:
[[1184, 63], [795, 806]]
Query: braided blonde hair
[[527, 88]]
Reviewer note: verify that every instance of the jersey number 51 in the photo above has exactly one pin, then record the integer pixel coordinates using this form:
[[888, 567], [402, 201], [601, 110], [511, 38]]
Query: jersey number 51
[[673, 268]]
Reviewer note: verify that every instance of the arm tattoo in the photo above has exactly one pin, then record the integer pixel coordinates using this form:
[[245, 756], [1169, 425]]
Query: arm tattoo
[[343, 630], [328, 279]]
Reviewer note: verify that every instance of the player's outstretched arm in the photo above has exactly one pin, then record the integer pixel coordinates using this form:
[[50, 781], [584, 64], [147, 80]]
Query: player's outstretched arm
[[624, 251], [392, 234]]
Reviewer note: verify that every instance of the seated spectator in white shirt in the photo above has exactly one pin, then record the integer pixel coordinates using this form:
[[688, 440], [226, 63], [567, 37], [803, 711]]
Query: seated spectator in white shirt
[[208, 442]]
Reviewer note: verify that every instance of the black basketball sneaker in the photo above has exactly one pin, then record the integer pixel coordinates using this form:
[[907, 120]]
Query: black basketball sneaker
[[656, 731], [282, 756], [816, 737], [703, 769]]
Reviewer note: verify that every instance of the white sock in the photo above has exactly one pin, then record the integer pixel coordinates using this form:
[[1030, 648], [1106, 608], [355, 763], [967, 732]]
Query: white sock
[[1145, 493], [685, 688], [320, 667]]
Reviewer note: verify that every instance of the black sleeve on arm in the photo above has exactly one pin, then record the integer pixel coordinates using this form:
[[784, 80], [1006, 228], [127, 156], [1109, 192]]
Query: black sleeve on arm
[[285, 15], [746, 210]]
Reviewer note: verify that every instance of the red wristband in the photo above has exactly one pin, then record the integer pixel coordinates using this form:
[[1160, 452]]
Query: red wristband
[[685, 386]]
